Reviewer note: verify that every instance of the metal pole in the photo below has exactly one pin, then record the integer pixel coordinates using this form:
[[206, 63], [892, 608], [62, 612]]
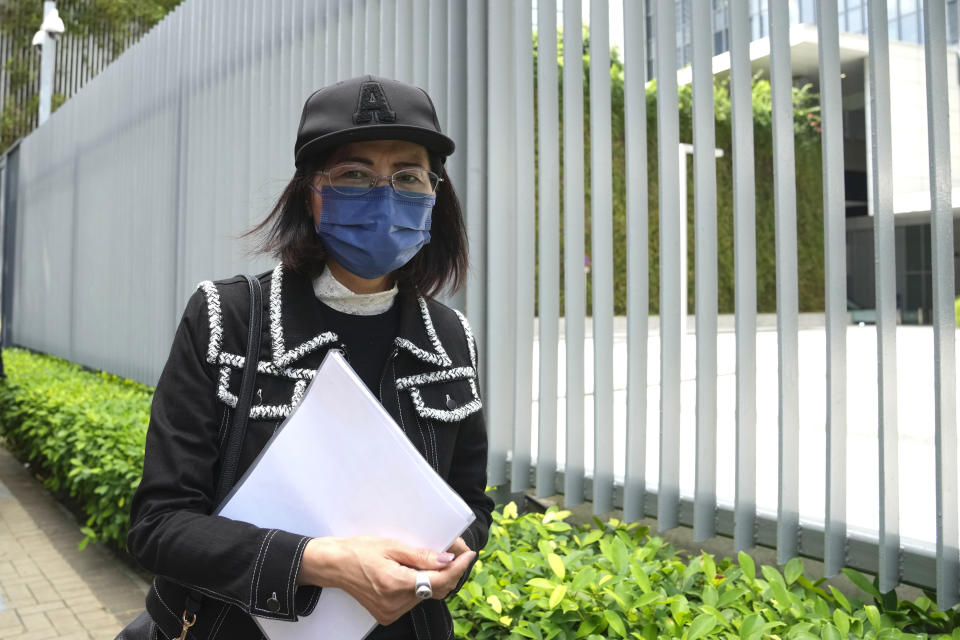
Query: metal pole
[[48, 54]]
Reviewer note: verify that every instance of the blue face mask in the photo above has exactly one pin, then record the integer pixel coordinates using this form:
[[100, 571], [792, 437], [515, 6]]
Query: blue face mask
[[375, 233]]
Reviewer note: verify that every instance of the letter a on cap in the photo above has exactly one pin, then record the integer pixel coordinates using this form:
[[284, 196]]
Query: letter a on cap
[[372, 105]]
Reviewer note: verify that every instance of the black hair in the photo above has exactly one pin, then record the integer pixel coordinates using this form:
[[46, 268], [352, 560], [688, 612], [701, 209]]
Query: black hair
[[289, 235]]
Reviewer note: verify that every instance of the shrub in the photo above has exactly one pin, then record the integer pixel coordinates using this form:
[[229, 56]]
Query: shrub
[[540, 577], [82, 431]]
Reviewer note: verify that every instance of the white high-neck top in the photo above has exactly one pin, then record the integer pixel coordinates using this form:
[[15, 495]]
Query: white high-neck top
[[335, 295]]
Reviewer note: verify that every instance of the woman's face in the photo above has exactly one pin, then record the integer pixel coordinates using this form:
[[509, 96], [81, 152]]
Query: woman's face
[[385, 157]]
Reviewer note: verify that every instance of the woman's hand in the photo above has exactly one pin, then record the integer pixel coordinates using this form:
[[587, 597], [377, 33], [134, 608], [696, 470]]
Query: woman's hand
[[380, 573]]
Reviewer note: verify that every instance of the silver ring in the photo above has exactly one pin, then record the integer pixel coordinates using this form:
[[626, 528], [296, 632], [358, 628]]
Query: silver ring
[[422, 589]]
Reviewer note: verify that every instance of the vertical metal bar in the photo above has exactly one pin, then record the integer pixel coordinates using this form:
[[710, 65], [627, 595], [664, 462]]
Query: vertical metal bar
[[358, 39], [388, 39], [501, 303], [638, 287], [670, 210], [455, 86], [404, 41], [745, 275], [371, 51], [437, 59], [548, 132], [705, 264], [475, 198], [944, 317], [884, 244], [525, 244], [332, 44], [345, 37], [835, 273], [601, 258], [574, 278], [420, 43], [785, 204]]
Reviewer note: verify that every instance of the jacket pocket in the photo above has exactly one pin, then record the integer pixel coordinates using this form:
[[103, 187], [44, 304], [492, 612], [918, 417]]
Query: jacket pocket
[[446, 396]]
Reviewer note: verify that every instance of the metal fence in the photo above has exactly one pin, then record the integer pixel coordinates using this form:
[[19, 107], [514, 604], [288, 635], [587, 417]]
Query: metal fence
[[78, 59], [139, 185]]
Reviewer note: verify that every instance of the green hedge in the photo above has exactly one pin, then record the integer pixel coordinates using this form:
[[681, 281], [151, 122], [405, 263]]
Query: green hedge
[[542, 578], [82, 431], [539, 577]]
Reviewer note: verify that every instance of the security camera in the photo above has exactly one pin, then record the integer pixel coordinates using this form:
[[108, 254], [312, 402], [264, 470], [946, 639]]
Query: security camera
[[52, 23], [38, 38]]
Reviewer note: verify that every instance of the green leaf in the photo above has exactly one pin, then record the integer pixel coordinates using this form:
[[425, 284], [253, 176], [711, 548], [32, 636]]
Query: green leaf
[[747, 566], [841, 599], [709, 567], [873, 615], [701, 626], [730, 596], [861, 581], [541, 583], [751, 625], [640, 576], [615, 622], [646, 599], [557, 595], [793, 570], [830, 632], [557, 565]]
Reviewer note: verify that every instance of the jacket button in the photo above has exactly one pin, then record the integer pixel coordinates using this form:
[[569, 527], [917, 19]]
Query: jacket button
[[451, 404], [272, 603]]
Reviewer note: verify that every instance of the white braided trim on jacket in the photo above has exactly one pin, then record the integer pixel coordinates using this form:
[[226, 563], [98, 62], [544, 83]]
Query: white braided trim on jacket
[[259, 411], [215, 319], [281, 357], [443, 415], [268, 368], [440, 357], [458, 373]]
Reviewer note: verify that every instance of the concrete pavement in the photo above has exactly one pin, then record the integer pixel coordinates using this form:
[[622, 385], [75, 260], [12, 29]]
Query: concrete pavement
[[49, 589]]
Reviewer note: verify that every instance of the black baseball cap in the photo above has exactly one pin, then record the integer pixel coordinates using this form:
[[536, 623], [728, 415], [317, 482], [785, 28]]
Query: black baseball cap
[[368, 108]]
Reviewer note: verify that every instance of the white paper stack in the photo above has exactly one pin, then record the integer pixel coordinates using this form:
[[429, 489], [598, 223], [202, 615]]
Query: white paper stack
[[340, 466]]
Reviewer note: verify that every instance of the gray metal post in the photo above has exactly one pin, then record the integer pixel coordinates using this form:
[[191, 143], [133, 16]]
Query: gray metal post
[[835, 273], [785, 204], [705, 263], [548, 159], [881, 193], [745, 274], [48, 56], [575, 280], [638, 285], [668, 139], [944, 319]]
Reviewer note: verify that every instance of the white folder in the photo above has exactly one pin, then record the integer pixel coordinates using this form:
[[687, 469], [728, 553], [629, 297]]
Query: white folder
[[340, 466]]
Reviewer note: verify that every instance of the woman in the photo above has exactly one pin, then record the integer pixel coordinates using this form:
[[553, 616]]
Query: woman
[[368, 229]]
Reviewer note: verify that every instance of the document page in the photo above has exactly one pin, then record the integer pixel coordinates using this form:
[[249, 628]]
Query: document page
[[340, 466]]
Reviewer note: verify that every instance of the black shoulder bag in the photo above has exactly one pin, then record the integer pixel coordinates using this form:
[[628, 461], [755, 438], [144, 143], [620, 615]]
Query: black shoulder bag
[[143, 627]]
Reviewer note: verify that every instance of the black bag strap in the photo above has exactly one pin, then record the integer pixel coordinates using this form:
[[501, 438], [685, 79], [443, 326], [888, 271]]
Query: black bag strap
[[238, 425]]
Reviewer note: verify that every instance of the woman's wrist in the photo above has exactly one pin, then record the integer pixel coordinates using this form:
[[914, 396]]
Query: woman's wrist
[[321, 562]]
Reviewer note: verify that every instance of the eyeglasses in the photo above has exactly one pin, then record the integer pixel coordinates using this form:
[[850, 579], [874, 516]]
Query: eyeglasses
[[357, 180]]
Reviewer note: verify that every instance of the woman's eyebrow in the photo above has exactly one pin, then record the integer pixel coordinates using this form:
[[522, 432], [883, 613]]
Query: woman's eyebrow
[[399, 164]]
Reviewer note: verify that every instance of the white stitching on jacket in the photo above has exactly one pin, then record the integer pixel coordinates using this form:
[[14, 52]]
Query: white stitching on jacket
[[443, 415], [282, 358], [440, 357], [215, 319], [433, 377]]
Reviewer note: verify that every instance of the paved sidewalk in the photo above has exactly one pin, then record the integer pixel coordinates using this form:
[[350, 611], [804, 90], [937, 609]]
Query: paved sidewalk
[[49, 589]]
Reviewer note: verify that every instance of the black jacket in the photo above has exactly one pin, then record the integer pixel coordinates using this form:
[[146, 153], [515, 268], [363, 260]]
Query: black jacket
[[429, 386]]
